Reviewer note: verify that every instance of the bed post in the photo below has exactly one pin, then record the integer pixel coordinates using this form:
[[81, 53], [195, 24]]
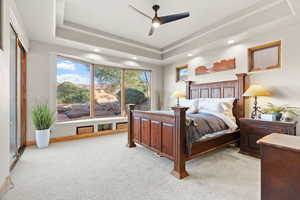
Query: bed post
[[241, 90], [188, 89], [179, 170], [130, 126]]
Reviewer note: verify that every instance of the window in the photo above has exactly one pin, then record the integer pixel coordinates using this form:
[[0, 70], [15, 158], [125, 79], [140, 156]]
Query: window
[[265, 57], [137, 88], [86, 90], [181, 73], [107, 91], [73, 89]]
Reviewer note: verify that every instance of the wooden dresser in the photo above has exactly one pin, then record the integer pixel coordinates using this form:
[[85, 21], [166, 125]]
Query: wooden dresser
[[280, 161], [252, 130]]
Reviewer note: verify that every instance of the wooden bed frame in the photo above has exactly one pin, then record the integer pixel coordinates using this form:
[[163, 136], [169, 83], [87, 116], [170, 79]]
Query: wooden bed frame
[[165, 134]]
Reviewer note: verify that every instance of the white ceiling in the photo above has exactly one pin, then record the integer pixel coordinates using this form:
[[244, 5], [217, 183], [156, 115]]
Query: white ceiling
[[118, 31], [115, 17]]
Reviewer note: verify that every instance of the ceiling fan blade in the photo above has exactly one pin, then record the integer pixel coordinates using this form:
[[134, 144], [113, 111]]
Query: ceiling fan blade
[[171, 18], [151, 31], [142, 13]]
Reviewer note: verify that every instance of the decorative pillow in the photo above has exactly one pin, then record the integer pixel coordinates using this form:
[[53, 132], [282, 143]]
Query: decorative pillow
[[190, 103], [228, 107], [210, 105], [215, 104]]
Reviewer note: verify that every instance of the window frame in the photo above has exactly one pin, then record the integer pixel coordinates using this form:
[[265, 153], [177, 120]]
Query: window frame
[[92, 87], [252, 50], [178, 69]]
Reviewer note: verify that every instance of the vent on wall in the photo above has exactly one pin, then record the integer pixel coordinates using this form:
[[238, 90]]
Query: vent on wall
[[84, 129]]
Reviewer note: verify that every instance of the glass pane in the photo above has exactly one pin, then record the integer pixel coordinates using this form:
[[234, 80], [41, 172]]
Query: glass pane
[[13, 114], [137, 88], [183, 74], [107, 91], [73, 89]]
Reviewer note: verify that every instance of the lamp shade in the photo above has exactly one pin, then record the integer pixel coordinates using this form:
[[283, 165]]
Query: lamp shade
[[179, 94], [256, 91]]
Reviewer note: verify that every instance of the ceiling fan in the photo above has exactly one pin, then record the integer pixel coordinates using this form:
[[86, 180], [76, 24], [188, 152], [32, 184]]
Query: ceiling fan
[[157, 21]]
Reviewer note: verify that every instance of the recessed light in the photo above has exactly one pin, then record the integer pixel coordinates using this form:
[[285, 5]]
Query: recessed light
[[230, 41], [134, 58], [190, 55], [97, 50]]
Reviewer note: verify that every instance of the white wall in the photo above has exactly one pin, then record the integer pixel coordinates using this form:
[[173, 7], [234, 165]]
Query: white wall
[[4, 95], [42, 78], [283, 83]]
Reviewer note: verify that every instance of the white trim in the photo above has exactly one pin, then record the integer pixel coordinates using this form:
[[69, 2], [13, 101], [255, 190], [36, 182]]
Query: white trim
[[111, 37], [291, 7], [93, 120], [19, 29]]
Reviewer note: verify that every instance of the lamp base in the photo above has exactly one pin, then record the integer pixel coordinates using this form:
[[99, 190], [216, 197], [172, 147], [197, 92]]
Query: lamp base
[[177, 105], [256, 109]]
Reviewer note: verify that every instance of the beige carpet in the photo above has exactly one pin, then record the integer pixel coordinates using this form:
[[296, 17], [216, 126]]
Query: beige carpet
[[103, 168]]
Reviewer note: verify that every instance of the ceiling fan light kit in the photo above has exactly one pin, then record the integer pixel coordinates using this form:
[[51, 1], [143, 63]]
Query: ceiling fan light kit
[[157, 21]]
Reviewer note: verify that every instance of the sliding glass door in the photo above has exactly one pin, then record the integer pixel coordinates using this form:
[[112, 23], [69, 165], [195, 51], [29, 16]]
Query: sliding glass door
[[13, 107]]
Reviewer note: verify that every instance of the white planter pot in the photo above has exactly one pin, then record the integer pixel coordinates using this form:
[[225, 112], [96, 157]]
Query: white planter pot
[[42, 138]]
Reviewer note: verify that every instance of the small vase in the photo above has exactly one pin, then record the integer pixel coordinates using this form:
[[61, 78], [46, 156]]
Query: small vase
[[277, 116]]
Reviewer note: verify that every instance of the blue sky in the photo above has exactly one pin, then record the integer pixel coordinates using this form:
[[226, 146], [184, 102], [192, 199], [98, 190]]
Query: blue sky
[[75, 72]]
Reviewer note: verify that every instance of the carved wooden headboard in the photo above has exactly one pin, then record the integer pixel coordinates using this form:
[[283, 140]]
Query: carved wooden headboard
[[223, 89]]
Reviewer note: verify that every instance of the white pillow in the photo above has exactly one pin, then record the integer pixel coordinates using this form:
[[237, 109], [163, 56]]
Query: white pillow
[[210, 105], [215, 104], [190, 103]]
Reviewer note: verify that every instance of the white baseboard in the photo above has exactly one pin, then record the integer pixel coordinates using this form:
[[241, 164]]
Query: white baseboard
[[6, 186]]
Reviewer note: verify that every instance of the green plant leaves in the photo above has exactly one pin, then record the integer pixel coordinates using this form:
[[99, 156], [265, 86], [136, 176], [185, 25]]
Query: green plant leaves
[[42, 117]]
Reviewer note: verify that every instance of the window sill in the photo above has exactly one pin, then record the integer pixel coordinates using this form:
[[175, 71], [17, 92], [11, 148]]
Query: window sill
[[107, 119]]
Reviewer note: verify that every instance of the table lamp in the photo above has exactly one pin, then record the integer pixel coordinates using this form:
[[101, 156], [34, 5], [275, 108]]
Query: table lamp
[[179, 95], [256, 91]]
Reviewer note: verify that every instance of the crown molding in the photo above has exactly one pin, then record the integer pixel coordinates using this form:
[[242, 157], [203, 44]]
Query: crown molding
[[259, 7], [163, 55], [109, 36]]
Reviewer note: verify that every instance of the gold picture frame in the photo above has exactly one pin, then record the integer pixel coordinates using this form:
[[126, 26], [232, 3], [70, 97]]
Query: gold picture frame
[[265, 57]]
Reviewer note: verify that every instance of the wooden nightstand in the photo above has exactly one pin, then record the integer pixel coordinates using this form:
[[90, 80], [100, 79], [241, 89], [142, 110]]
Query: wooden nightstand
[[252, 130]]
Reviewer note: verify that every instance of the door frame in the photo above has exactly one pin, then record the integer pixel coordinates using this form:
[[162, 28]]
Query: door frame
[[21, 70]]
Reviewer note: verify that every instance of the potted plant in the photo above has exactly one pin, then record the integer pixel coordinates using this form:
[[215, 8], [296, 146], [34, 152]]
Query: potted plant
[[42, 119], [277, 111]]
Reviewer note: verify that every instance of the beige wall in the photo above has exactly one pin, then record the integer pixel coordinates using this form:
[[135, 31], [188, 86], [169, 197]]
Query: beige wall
[[4, 95], [42, 78], [284, 83]]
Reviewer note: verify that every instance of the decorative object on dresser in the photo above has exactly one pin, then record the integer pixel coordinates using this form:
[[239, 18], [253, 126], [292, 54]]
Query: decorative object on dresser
[[265, 57], [179, 95], [280, 161], [166, 135], [181, 73], [222, 65], [253, 130], [256, 91], [278, 111]]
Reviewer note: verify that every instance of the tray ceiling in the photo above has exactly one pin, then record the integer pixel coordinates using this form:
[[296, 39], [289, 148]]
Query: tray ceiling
[[116, 18]]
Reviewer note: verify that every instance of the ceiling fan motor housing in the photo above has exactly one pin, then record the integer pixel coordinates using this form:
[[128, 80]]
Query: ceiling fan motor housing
[[156, 7]]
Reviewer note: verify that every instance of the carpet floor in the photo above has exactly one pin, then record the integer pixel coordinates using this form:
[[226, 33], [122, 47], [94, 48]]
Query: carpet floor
[[103, 168]]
